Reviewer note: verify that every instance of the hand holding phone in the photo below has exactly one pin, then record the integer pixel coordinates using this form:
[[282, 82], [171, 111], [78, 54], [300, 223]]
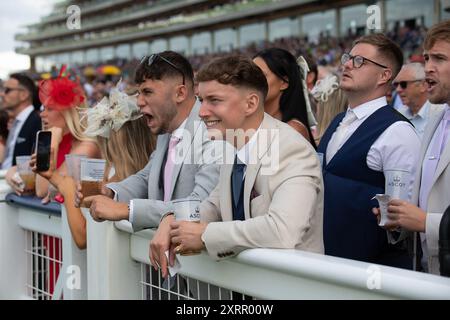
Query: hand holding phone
[[43, 143]]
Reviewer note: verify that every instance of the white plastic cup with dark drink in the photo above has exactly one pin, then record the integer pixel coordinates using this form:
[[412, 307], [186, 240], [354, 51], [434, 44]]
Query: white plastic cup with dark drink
[[187, 210], [92, 172]]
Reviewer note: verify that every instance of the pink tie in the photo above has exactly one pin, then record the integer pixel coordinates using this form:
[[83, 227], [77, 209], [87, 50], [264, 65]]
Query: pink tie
[[431, 160], [168, 169]]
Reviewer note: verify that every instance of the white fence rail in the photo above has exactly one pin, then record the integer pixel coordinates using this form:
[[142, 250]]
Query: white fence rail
[[115, 265]]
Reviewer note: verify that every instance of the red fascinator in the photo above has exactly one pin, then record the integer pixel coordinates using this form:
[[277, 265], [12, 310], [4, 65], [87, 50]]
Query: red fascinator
[[60, 93]]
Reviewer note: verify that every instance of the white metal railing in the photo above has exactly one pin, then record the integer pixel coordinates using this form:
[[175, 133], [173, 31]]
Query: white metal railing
[[44, 261], [155, 287], [37, 248], [293, 274], [116, 266]]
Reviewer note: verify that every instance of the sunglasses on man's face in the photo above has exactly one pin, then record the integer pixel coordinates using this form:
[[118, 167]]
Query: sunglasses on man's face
[[153, 57], [7, 90], [404, 84]]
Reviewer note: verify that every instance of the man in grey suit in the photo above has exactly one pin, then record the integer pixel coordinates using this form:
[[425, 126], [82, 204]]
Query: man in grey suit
[[185, 162], [431, 191], [270, 195]]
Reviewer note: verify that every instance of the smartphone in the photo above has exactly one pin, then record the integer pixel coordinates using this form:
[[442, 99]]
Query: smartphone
[[43, 143]]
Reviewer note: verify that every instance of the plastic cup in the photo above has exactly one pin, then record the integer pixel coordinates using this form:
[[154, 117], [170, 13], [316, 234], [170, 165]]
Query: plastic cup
[[91, 176], [383, 201], [26, 174], [187, 210], [397, 184], [73, 163]]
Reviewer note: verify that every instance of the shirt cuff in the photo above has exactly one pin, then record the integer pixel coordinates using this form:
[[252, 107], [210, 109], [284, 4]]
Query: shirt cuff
[[115, 193], [131, 214], [165, 215], [203, 239]]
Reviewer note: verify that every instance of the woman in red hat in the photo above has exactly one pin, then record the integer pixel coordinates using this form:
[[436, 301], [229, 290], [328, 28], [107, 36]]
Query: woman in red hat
[[62, 101]]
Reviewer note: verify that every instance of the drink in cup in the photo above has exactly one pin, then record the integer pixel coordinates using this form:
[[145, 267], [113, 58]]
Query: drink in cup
[[91, 176], [26, 174]]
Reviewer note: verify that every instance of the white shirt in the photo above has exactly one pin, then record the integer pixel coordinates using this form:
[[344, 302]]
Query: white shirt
[[397, 148], [397, 102], [419, 120], [243, 153], [178, 132], [21, 118]]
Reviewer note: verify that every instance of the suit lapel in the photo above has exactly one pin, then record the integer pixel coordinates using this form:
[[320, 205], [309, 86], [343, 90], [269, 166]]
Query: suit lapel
[[225, 192], [443, 162], [433, 123], [445, 157], [185, 144], [263, 142], [158, 162], [250, 179]]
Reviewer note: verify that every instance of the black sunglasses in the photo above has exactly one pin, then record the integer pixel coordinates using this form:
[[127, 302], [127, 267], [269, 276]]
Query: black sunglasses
[[404, 84], [153, 57], [358, 61], [8, 90]]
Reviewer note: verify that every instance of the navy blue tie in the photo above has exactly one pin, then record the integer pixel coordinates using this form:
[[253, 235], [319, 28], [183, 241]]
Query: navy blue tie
[[237, 184]]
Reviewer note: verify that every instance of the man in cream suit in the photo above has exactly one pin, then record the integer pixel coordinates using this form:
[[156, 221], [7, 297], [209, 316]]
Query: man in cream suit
[[431, 192], [270, 195], [184, 164]]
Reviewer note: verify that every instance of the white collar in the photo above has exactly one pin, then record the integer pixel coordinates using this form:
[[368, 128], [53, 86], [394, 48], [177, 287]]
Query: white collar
[[423, 112], [243, 153], [178, 132], [23, 115], [369, 107]]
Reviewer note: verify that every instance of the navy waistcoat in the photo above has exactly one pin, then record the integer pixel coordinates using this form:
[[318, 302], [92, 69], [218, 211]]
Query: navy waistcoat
[[350, 228]]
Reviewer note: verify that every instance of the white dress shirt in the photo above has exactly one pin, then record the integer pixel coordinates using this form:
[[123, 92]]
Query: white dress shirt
[[419, 120], [21, 118], [397, 148], [243, 153]]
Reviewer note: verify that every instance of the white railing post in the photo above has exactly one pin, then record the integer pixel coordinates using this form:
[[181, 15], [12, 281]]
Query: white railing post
[[13, 261], [111, 272], [74, 269]]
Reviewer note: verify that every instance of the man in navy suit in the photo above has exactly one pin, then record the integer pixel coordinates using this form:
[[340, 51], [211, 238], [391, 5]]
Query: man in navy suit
[[359, 147], [17, 98]]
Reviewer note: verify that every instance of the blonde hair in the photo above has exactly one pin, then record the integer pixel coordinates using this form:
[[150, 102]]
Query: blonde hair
[[75, 124], [327, 111], [128, 149]]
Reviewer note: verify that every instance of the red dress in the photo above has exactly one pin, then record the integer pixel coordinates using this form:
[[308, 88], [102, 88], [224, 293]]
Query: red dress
[[53, 244]]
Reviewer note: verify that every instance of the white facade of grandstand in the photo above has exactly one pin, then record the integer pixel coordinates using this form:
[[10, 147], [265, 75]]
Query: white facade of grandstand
[[127, 29]]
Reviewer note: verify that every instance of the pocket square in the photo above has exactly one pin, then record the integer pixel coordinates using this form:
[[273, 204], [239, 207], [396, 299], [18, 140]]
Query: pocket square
[[20, 140]]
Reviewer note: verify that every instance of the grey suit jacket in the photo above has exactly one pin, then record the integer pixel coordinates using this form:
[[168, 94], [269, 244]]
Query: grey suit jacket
[[438, 198], [195, 174], [283, 200]]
